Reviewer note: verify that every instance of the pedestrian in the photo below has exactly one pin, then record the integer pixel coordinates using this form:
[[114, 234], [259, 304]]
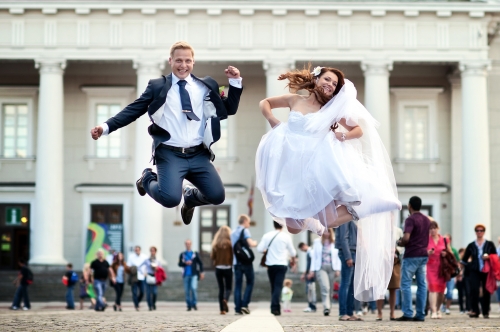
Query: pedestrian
[[190, 261], [310, 280], [22, 281], [70, 279], [101, 271], [436, 283], [286, 295], [450, 284], [415, 240], [463, 301], [395, 281], [185, 112], [479, 250], [498, 282], [326, 265], [86, 283], [222, 256], [277, 246], [151, 265], [136, 279], [346, 236], [119, 268], [243, 269]]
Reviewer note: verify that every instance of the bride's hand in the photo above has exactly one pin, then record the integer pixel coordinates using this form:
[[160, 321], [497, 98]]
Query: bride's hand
[[341, 136], [274, 122]]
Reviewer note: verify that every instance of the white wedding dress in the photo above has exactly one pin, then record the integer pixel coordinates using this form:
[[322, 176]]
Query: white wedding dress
[[304, 173]]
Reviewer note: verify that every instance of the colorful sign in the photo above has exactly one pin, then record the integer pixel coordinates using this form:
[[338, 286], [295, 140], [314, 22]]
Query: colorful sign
[[103, 236], [13, 216]]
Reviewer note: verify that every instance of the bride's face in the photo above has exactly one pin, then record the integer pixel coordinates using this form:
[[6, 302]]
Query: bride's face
[[328, 81]]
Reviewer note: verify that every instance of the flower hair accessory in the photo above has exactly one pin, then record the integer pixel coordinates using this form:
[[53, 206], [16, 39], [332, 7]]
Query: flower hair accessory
[[316, 71]]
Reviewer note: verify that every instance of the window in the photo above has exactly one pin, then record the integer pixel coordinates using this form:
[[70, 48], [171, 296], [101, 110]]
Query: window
[[15, 130], [221, 147], [108, 146], [416, 132]]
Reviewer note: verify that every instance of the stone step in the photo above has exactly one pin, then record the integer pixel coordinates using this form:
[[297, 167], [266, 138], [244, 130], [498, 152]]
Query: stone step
[[48, 286]]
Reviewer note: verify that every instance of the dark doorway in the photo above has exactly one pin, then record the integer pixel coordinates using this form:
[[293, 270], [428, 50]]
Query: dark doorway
[[14, 234], [211, 218]]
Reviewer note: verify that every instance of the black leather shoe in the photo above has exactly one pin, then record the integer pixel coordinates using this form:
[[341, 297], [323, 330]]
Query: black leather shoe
[[276, 313], [138, 183], [416, 319], [404, 319], [186, 214]]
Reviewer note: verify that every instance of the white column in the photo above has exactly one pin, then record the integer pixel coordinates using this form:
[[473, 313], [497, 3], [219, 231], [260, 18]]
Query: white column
[[274, 88], [476, 199], [148, 214], [377, 96], [456, 158], [47, 229]]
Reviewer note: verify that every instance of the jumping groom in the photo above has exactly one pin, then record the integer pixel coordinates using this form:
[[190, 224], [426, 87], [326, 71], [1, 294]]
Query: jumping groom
[[185, 112]]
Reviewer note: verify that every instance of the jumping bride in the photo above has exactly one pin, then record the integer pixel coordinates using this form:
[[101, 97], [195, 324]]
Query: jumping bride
[[327, 166]]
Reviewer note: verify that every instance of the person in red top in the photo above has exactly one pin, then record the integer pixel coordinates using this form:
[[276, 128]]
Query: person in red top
[[435, 283]]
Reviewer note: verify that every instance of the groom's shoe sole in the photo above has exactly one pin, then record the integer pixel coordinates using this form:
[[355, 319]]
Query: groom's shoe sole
[[138, 183], [186, 214]]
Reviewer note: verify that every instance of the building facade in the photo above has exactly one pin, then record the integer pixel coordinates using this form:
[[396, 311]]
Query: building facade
[[429, 72]]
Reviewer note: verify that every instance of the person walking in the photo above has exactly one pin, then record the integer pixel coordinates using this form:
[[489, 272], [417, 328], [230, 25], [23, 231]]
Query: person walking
[[479, 252], [119, 268], [436, 283], [70, 278], [498, 289], [450, 284], [415, 240], [310, 280], [137, 281], [241, 303], [190, 261], [326, 265], [222, 256], [463, 298], [151, 264], [345, 242], [101, 271], [394, 283], [22, 281], [86, 282], [277, 246], [185, 112]]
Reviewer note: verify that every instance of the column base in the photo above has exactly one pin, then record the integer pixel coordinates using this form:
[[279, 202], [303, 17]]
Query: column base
[[47, 264]]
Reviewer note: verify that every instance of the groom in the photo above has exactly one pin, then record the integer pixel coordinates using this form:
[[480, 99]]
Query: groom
[[185, 112]]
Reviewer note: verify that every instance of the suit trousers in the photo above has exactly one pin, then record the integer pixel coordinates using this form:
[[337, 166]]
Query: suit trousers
[[173, 167]]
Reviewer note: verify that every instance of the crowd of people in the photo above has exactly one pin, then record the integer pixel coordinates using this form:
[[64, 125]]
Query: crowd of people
[[421, 253]]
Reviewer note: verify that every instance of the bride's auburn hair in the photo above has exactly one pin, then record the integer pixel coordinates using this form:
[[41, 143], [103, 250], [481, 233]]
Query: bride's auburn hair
[[303, 79]]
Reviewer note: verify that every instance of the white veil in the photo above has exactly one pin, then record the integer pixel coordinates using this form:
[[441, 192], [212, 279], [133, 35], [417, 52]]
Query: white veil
[[375, 181]]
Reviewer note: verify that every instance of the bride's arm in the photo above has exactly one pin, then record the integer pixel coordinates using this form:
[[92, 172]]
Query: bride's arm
[[266, 106], [352, 132]]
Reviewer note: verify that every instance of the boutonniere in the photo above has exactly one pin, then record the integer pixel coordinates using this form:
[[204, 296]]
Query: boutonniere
[[221, 91]]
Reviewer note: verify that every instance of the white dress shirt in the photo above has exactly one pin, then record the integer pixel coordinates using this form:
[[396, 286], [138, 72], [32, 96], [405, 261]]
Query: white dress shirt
[[183, 132], [280, 249], [137, 260]]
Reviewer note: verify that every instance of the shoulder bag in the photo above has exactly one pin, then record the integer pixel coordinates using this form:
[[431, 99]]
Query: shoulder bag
[[264, 256]]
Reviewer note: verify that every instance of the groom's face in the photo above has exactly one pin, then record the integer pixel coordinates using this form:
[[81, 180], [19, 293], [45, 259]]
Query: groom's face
[[182, 63]]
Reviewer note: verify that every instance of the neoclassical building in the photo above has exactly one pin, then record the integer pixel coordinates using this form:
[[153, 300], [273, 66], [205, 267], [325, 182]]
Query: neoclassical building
[[429, 72]]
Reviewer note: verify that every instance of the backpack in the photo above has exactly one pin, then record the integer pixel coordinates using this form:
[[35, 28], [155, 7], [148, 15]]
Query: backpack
[[29, 277], [244, 255], [73, 279]]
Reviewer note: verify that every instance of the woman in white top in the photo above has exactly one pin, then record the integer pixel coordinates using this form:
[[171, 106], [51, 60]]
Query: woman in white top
[[326, 264]]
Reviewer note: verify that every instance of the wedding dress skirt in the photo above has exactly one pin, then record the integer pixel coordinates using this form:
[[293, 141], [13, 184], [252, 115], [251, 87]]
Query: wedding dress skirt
[[304, 173]]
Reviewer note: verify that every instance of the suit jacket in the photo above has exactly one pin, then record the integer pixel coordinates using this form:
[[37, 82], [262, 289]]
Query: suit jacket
[[153, 98]]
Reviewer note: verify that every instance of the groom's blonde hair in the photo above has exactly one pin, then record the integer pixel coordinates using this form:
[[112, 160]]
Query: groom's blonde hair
[[181, 45]]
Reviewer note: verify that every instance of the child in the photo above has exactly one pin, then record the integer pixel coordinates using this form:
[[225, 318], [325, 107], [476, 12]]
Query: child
[[286, 295], [70, 278]]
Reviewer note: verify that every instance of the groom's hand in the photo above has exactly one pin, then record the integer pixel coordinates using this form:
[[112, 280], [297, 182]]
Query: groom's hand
[[96, 132], [232, 72]]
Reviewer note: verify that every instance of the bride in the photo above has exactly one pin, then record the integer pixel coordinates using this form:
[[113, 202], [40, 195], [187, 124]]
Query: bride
[[327, 166]]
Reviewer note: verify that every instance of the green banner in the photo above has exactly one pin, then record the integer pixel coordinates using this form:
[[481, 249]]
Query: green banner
[[13, 216], [105, 237]]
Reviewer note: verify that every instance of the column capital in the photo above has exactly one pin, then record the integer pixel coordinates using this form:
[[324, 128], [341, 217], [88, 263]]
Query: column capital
[[278, 66], [50, 65], [148, 66], [455, 79], [474, 67], [376, 67]]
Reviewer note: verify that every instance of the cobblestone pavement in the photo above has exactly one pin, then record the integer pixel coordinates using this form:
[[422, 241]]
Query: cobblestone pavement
[[172, 316]]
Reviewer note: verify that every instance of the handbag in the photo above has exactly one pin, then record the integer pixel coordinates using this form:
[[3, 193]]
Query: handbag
[[264, 256], [449, 266], [150, 279]]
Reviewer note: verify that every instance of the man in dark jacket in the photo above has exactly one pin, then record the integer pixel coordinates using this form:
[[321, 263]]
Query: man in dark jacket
[[310, 281], [23, 280], [479, 251], [190, 261]]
